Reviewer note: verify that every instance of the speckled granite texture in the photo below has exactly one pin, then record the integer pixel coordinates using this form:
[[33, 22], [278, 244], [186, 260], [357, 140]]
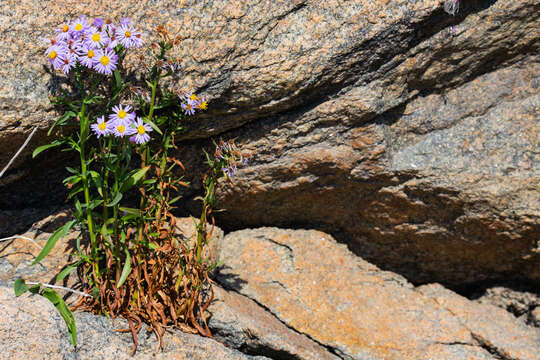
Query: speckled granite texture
[[370, 120]]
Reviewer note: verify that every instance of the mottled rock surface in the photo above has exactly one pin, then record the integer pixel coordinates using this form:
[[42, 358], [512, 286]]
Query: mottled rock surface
[[32, 329], [370, 120], [324, 291], [522, 303], [242, 324]]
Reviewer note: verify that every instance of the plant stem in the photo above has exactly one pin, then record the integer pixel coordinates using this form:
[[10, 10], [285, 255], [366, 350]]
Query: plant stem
[[144, 155], [84, 174]]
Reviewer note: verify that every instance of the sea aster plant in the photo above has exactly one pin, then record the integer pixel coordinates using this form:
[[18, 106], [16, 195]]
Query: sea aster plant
[[69, 60], [142, 130], [96, 38], [189, 107], [129, 37], [122, 113], [122, 128], [79, 27], [55, 54], [100, 127], [106, 60], [87, 56], [63, 32]]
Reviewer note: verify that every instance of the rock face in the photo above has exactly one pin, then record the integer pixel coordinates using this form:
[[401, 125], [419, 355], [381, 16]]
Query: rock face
[[322, 290], [370, 119], [33, 329]]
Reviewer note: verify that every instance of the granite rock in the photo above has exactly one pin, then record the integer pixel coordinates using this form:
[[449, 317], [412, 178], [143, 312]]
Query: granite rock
[[319, 288], [242, 324], [372, 120], [33, 329]]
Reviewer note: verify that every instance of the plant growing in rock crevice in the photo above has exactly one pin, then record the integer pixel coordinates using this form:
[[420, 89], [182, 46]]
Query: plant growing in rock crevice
[[130, 261]]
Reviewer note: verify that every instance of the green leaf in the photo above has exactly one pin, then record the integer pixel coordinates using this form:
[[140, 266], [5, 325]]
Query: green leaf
[[64, 311], [61, 121], [61, 232], [154, 126], [34, 289], [66, 271], [20, 287], [116, 200], [132, 211], [133, 179], [45, 147], [117, 78], [126, 270]]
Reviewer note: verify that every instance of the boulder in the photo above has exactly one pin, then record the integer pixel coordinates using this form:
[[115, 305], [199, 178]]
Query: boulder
[[319, 288], [405, 131], [33, 329], [242, 324]]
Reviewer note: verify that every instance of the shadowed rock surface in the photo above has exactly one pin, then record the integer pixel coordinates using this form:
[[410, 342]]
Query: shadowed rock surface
[[370, 119]]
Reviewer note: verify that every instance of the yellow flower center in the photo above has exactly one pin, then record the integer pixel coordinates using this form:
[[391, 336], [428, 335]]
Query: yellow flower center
[[78, 27], [96, 37], [127, 33], [65, 28], [102, 126], [91, 53], [122, 114], [121, 129], [141, 130], [193, 97], [104, 60], [52, 55], [203, 105]]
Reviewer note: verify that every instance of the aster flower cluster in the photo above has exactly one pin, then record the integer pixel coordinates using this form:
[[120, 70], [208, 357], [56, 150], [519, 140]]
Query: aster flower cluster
[[191, 102], [231, 157], [123, 122], [95, 44]]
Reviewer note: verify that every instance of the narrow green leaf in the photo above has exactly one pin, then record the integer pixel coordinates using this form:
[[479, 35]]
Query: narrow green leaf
[[117, 78], [126, 269], [61, 232], [64, 311], [75, 191], [20, 287], [45, 147], [61, 121], [154, 126], [116, 200], [130, 210], [34, 289], [67, 271], [133, 179]]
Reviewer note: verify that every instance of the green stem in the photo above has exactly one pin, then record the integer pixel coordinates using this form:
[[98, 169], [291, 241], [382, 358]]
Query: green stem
[[144, 155], [84, 174]]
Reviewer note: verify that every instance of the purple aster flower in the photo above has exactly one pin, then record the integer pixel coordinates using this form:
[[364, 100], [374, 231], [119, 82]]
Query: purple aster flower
[[87, 56], [121, 128], [95, 38], [189, 107], [64, 32], [79, 27], [129, 37], [55, 54], [100, 127], [109, 27], [112, 41], [229, 171], [122, 113], [142, 130], [98, 23], [106, 61], [69, 60], [125, 21]]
